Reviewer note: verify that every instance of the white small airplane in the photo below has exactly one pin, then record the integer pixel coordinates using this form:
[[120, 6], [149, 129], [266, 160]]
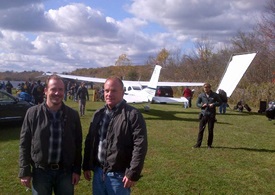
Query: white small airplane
[[134, 91]]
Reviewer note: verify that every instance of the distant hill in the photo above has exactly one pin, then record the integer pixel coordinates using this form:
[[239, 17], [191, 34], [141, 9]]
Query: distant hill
[[20, 76], [125, 72]]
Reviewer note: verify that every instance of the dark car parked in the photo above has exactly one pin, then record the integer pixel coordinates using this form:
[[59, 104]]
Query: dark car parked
[[12, 108], [164, 91]]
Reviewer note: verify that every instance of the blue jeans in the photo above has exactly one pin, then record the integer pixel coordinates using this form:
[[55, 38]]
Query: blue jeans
[[109, 183], [222, 108], [44, 182]]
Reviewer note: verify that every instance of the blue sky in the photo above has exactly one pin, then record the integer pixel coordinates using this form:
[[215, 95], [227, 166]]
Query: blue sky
[[64, 35]]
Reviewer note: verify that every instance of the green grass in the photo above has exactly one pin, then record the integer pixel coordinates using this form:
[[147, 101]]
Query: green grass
[[241, 162]]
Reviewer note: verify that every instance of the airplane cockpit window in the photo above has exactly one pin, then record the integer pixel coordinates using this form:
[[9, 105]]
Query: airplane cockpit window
[[136, 88], [129, 88]]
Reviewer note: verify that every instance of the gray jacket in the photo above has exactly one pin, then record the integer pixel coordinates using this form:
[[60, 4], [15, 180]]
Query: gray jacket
[[213, 98], [126, 142], [34, 140]]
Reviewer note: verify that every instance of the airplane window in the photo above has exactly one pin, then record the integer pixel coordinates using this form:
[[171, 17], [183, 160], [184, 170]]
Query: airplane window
[[129, 89], [136, 88]]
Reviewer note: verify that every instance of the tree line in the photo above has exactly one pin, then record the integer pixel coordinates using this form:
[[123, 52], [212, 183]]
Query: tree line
[[205, 63]]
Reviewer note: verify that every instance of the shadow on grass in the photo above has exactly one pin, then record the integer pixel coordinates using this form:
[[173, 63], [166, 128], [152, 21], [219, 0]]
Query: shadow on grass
[[90, 110], [168, 115], [247, 149]]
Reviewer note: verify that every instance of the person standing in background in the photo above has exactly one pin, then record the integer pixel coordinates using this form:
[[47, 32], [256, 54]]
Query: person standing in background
[[82, 96], [38, 93], [187, 93], [224, 99], [207, 101], [9, 87]]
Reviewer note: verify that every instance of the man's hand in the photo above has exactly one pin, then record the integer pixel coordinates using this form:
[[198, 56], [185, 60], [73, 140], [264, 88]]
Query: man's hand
[[75, 178], [128, 183], [26, 181], [87, 175]]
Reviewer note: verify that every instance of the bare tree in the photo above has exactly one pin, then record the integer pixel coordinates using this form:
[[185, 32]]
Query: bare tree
[[267, 24], [266, 27], [203, 54]]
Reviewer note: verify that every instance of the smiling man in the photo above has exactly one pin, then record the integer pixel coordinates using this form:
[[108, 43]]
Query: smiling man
[[50, 144]]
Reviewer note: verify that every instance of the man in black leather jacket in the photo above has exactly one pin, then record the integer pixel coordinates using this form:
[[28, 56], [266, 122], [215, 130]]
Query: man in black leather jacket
[[207, 101], [51, 144], [116, 145]]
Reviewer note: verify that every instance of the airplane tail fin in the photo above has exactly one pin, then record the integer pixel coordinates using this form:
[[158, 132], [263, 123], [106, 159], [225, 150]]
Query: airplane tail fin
[[150, 90]]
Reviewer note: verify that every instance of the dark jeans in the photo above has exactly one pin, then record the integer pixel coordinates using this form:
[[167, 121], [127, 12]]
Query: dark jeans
[[203, 122], [47, 181]]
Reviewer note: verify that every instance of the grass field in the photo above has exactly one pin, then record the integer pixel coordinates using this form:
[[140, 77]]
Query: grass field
[[241, 162]]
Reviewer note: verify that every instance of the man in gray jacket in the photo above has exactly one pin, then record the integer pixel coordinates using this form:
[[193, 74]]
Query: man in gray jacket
[[51, 144], [116, 145], [207, 101]]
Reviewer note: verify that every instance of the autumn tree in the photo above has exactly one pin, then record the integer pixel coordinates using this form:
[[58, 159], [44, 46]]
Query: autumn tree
[[121, 65], [162, 57]]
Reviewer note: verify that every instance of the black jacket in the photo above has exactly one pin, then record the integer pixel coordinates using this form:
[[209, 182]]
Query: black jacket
[[34, 140], [82, 93], [126, 142]]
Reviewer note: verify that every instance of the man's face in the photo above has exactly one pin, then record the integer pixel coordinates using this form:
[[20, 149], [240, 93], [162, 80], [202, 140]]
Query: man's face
[[206, 88], [113, 93], [54, 92]]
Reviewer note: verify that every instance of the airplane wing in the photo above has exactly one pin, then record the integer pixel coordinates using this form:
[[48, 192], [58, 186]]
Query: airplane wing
[[158, 99], [80, 78], [127, 82], [171, 84], [235, 70], [180, 84]]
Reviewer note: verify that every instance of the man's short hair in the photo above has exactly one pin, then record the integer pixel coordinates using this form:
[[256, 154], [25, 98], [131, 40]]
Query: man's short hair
[[114, 78], [206, 85], [53, 77]]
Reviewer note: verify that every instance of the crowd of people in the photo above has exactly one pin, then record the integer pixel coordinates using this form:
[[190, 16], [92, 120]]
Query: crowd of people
[[34, 92], [28, 91]]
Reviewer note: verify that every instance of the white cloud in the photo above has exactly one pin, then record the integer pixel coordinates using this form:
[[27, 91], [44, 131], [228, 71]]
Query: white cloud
[[78, 36], [193, 18]]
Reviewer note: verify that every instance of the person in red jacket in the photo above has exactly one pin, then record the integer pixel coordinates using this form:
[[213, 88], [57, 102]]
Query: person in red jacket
[[187, 93]]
